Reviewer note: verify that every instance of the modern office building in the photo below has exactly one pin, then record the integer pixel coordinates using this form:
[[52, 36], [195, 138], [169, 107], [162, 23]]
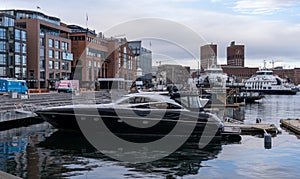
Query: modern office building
[[208, 55], [49, 54], [236, 55], [90, 52], [13, 52]]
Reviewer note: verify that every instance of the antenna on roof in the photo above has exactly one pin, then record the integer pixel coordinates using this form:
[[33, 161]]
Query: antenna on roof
[[86, 20]]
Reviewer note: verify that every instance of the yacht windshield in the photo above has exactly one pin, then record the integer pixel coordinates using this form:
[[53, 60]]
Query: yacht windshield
[[190, 102]]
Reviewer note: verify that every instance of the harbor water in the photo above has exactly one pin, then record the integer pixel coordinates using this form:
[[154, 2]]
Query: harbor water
[[39, 151]]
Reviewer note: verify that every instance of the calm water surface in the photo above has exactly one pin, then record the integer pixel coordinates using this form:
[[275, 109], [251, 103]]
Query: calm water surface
[[41, 152]]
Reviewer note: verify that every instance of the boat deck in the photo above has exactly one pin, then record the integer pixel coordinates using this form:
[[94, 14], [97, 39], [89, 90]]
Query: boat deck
[[291, 124], [249, 129]]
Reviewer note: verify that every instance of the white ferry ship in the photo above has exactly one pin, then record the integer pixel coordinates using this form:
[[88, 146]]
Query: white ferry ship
[[266, 82]]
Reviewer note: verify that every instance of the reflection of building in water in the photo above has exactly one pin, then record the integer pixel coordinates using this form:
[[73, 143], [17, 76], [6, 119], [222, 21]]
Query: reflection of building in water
[[19, 154]]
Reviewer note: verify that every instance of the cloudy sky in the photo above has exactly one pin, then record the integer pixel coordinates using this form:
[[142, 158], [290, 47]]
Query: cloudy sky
[[269, 29]]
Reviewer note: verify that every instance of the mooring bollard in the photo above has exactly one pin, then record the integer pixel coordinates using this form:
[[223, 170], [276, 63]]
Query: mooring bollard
[[267, 140]]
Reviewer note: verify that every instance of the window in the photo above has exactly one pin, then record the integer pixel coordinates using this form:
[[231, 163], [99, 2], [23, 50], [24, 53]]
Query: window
[[50, 42], [17, 60], [31, 74], [17, 34], [57, 54], [125, 58], [65, 66], [56, 44], [64, 45], [51, 75], [42, 75], [2, 33], [23, 36], [17, 47], [23, 48], [50, 53], [18, 72], [2, 59], [2, 46], [2, 71], [24, 61], [57, 64], [42, 64], [42, 41], [50, 64]]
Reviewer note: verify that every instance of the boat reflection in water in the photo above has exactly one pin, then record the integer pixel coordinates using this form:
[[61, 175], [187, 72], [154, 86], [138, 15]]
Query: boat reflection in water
[[86, 159]]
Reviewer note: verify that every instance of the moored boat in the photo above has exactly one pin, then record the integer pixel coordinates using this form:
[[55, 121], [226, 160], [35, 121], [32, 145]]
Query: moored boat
[[142, 114], [266, 82]]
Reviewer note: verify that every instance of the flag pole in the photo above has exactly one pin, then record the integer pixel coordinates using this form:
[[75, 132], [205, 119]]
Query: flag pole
[[86, 20]]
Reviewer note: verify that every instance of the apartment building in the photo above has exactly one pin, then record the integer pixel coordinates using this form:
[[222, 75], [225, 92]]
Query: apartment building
[[13, 51], [90, 56], [48, 47]]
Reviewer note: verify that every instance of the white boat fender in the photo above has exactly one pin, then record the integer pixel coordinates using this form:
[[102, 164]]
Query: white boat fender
[[267, 140]]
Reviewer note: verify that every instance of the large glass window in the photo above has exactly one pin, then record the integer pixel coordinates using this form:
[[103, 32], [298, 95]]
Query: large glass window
[[17, 34], [64, 45], [65, 66], [23, 36], [18, 72], [56, 44], [57, 65], [2, 46], [2, 59], [42, 41], [24, 72], [17, 47], [50, 53], [2, 33], [17, 60], [24, 60], [23, 48], [50, 42], [2, 71], [57, 54], [42, 75], [50, 64], [42, 64]]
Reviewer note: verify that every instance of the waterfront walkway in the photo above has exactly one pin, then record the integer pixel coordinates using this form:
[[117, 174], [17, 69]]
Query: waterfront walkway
[[51, 99], [20, 112]]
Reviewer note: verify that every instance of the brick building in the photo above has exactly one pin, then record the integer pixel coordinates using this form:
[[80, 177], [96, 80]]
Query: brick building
[[292, 74], [121, 65], [48, 47], [236, 55], [90, 52], [239, 73]]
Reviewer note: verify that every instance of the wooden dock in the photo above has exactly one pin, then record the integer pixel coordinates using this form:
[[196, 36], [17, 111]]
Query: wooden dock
[[252, 129], [291, 124]]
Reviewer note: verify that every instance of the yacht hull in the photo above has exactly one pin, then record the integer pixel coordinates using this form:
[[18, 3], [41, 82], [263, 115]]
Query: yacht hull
[[67, 119]]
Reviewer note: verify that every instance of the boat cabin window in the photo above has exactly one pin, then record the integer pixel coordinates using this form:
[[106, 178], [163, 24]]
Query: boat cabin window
[[189, 101], [134, 100], [163, 105]]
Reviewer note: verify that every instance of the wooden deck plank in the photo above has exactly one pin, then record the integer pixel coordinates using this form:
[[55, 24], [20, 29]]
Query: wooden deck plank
[[291, 124]]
